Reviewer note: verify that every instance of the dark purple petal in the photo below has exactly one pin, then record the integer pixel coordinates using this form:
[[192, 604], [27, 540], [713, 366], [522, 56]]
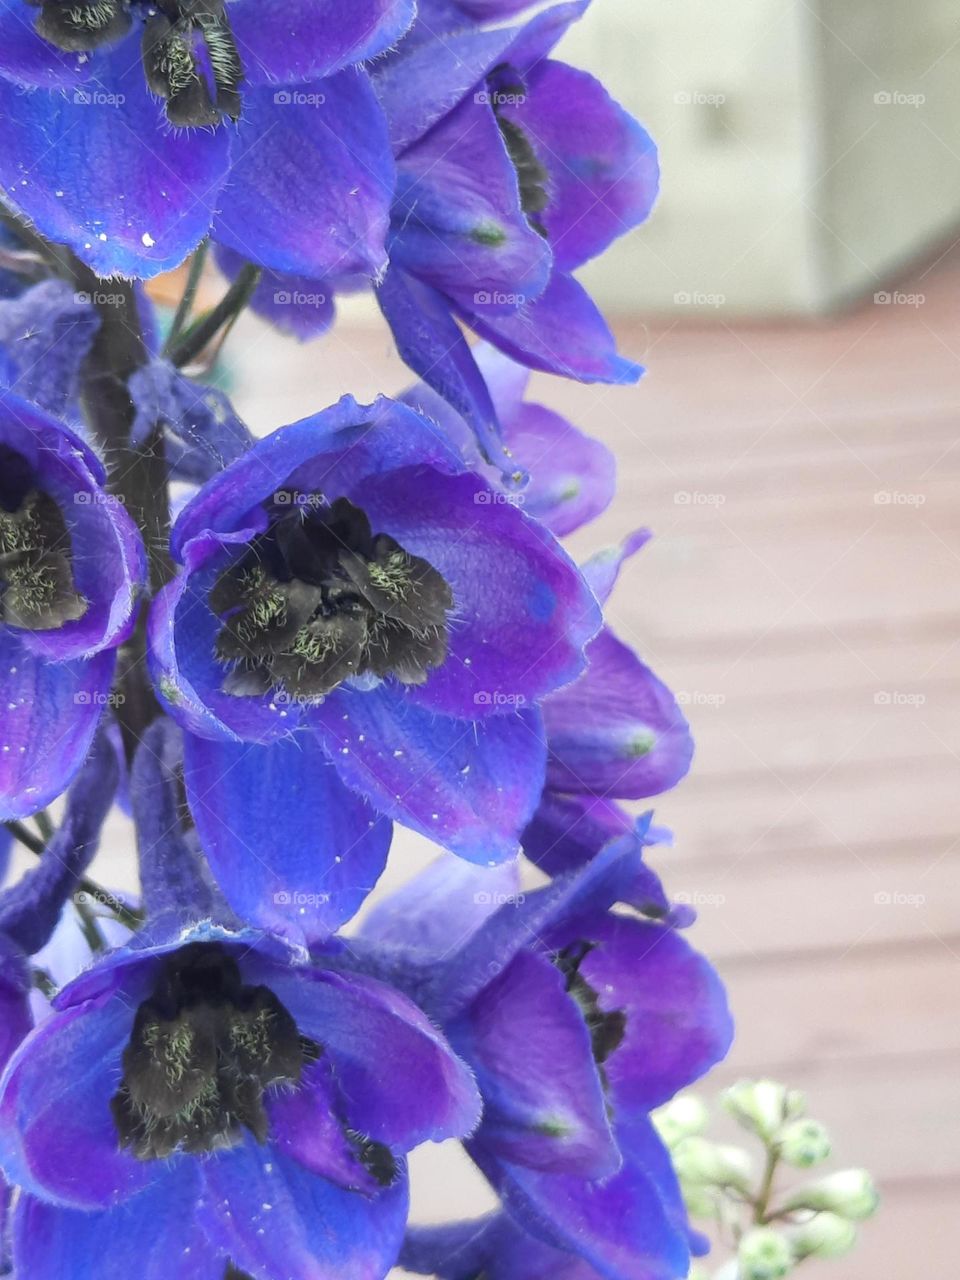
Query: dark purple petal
[[292, 849], [309, 190], [301, 306], [273, 1218], [559, 332], [493, 1246], [469, 785], [101, 171], [287, 41], [529, 1046], [425, 80], [457, 220], [522, 613], [401, 1083], [567, 830], [629, 1227], [52, 710], [438, 911], [617, 731], [306, 1124], [330, 452], [678, 1024], [430, 343], [15, 1019], [602, 164], [27, 58], [57, 1136], [154, 1236], [47, 333], [30, 910]]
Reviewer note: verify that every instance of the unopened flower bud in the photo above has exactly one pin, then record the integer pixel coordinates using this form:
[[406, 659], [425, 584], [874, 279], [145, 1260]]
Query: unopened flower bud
[[849, 1192], [701, 1162], [825, 1236], [804, 1143], [763, 1106], [681, 1118], [764, 1255]]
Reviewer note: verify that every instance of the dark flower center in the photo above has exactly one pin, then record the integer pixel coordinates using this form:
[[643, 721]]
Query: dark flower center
[[203, 1050], [505, 88], [37, 590], [190, 56], [320, 598], [606, 1029]]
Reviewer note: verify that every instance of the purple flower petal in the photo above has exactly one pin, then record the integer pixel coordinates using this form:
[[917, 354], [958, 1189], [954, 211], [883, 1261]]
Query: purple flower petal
[[602, 164], [55, 1105], [470, 785], [273, 1218], [603, 568], [617, 731], [288, 41], [528, 1043], [310, 186], [47, 333], [292, 849], [522, 613], [559, 332], [568, 830], [402, 1084], [15, 1019], [101, 171], [493, 1246], [301, 306], [52, 712], [140, 1238]]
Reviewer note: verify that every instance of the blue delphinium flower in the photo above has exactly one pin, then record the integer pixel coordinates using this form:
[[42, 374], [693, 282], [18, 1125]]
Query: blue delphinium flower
[[578, 1022], [202, 1095], [71, 565], [358, 616], [119, 135], [493, 1246]]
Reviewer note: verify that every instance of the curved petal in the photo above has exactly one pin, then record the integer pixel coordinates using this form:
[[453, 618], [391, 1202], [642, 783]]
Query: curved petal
[[399, 1081], [46, 333], [52, 712], [292, 849], [602, 165], [457, 220], [273, 1218], [522, 613], [55, 1106], [310, 186], [603, 568], [101, 171], [288, 41], [568, 830], [15, 1020], [139, 1238], [559, 332], [493, 1246], [628, 1227], [528, 1043], [301, 306], [470, 785], [678, 1023], [617, 731]]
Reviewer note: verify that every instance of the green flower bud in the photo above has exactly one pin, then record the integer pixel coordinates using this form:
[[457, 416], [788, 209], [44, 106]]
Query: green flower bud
[[804, 1143], [699, 1201], [849, 1192], [698, 1161], [824, 1236], [764, 1255], [763, 1106], [681, 1118]]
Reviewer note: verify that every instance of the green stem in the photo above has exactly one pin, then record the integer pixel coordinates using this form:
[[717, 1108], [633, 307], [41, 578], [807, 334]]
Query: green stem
[[25, 837], [762, 1202], [185, 306], [190, 344]]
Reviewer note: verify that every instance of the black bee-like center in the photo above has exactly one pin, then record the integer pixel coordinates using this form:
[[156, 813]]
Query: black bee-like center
[[190, 56], [606, 1029], [37, 591], [204, 1049], [320, 598]]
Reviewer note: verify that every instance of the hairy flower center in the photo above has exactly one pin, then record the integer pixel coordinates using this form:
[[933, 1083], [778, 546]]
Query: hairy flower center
[[36, 571], [505, 87], [190, 56], [606, 1029], [319, 598], [204, 1049]]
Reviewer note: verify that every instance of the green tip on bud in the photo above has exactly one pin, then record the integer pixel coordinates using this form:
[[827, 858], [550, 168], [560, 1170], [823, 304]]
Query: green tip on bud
[[702, 1163], [825, 1236], [764, 1255], [851, 1193], [685, 1116], [763, 1106], [804, 1143]]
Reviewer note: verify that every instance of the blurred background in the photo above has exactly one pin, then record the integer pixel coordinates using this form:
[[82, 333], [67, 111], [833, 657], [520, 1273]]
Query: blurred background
[[795, 448]]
